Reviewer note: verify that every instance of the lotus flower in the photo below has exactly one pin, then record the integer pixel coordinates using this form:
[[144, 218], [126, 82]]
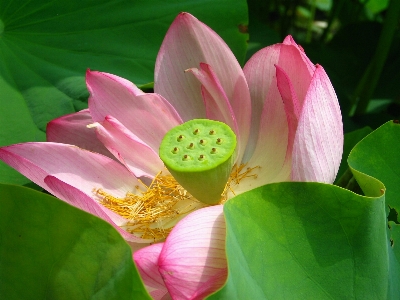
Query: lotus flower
[[282, 108]]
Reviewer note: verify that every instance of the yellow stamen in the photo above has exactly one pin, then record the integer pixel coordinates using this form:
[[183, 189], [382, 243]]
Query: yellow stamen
[[237, 175], [92, 125], [153, 213]]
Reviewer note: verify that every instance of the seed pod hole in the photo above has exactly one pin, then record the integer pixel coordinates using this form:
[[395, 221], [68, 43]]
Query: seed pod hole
[[175, 150]]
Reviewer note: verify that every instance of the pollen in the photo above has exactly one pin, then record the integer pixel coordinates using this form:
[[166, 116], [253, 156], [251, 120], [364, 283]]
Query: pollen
[[153, 213]]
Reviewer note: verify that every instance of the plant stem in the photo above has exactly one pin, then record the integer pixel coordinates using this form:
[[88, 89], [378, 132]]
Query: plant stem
[[368, 82]]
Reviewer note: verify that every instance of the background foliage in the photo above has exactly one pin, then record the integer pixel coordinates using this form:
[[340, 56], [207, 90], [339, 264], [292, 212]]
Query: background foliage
[[347, 38], [46, 47]]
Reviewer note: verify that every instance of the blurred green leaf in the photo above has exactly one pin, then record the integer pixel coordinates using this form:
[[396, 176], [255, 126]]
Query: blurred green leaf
[[46, 47], [376, 6], [350, 140], [324, 5], [317, 241], [51, 250], [388, 83], [346, 57], [260, 36]]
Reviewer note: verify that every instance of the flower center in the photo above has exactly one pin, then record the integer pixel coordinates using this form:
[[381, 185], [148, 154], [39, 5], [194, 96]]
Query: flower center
[[152, 214], [199, 154]]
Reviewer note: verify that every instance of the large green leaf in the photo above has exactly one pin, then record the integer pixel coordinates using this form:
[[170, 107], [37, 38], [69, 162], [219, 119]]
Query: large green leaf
[[46, 47], [51, 250], [377, 156], [305, 241], [317, 241], [376, 6]]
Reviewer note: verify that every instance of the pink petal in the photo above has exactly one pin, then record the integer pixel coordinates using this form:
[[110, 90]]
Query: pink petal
[[260, 74], [71, 129], [291, 104], [80, 200], [129, 149], [188, 43], [216, 102], [269, 156], [318, 144], [268, 146], [122, 81], [146, 261], [290, 41], [289, 97], [193, 261], [272, 146], [291, 60], [148, 116], [77, 167], [217, 105]]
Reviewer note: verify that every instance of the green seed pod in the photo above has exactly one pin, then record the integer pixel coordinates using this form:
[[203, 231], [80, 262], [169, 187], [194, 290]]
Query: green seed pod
[[200, 155]]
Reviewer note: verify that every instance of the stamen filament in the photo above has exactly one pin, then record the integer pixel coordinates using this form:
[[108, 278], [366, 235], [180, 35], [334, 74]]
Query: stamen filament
[[164, 201]]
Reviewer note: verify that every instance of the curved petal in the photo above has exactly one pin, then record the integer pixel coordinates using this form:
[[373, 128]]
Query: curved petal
[[292, 107], [77, 167], [148, 116], [72, 129], [129, 149], [289, 97], [192, 261], [131, 87], [260, 74], [290, 41], [269, 156], [146, 261], [300, 73], [216, 102], [318, 144], [80, 200], [269, 144], [188, 43]]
